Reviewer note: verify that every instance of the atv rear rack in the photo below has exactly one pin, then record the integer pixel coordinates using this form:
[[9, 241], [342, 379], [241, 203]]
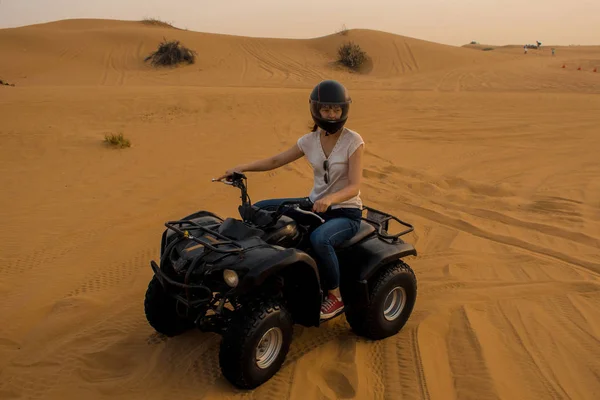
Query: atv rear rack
[[381, 220], [177, 226]]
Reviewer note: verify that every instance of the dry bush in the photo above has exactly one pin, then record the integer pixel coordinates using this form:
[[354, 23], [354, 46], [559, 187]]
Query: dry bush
[[157, 22], [343, 31], [171, 53], [117, 140], [351, 55]]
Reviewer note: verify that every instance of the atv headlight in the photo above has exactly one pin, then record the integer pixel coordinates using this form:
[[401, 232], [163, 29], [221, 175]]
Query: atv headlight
[[231, 277]]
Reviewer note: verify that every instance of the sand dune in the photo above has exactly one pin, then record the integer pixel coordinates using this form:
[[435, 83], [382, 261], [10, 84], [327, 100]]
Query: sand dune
[[492, 155]]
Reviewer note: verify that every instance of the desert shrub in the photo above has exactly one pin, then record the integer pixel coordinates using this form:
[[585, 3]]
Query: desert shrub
[[343, 31], [487, 49], [171, 53], [157, 22], [6, 83], [117, 140], [351, 55]]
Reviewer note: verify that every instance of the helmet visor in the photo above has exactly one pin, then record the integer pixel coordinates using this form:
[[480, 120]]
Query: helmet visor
[[329, 111]]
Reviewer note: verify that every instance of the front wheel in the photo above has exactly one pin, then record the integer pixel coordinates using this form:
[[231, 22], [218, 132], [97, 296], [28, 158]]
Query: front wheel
[[256, 344], [161, 311], [392, 297]]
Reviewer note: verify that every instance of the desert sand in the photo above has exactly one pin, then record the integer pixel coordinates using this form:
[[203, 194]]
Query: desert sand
[[492, 155]]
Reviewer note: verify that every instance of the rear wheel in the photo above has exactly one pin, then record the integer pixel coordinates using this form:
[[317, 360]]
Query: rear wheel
[[161, 311], [256, 344], [392, 297]]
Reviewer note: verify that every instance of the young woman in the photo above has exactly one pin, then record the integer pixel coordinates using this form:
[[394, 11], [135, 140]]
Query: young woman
[[335, 153]]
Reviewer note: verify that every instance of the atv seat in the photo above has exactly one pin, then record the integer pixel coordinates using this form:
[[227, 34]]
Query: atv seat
[[364, 230]]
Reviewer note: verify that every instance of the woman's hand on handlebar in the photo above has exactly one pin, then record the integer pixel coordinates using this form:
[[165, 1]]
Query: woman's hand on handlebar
[[229, 173], [321, 205]]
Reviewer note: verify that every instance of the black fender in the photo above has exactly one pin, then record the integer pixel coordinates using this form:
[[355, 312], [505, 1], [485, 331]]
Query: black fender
[[302, 286], [360, 262]]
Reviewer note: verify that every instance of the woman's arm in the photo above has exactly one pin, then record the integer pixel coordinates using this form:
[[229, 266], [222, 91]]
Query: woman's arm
[[355, 169], [278, 160], [267, 164]]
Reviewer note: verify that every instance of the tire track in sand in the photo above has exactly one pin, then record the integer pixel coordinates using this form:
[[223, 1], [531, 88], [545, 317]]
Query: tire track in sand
[[506, 240], [404, 375], [412, 56], [527, 351], [549, 230], [424, 391], [106, 63], [471, 376], [397, 361], [113, 75], [272, 62], [54, 358], [400, 59], [31, 268], [119, 72]]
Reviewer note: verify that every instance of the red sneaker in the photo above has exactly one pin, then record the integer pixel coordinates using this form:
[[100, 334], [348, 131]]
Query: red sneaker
[[331, 307]]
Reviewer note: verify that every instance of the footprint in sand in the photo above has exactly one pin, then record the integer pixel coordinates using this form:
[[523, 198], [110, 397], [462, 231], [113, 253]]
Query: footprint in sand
[[342, 376], [340, 384]]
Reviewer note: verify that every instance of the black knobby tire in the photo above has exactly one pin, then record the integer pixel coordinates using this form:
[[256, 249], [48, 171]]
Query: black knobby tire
[[161, 311], [369, 319], [238, 353]]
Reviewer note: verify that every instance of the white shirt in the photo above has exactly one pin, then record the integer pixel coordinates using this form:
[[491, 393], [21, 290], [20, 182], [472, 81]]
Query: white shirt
[[348, 142]]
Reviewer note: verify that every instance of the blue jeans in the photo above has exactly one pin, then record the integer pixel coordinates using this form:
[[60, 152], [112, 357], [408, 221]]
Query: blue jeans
[[324, 239]]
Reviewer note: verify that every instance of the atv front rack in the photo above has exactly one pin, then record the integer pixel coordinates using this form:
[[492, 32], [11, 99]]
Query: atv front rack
[[381, 220], [178, 227], [166, 282]]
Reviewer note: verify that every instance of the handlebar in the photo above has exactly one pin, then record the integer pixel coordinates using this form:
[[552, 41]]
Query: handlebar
[[237, 179], [304, 204], [300, 206], [231, 179], [298, 209]]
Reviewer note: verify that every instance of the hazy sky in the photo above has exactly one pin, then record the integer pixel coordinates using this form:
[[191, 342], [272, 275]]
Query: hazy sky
[[454, 22]]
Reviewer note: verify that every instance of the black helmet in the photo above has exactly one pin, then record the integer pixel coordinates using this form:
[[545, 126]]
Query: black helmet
[[329, 92]]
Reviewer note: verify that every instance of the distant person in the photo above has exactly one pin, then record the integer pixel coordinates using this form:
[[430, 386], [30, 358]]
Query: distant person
[[335, 154], [525, 49], [553, 52]]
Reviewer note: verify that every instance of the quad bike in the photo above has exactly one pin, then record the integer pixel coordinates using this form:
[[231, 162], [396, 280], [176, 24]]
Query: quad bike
[[251, 280]]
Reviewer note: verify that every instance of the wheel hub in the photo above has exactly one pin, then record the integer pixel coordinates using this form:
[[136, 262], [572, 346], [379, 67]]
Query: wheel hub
[[269, 347], [394, 303]]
